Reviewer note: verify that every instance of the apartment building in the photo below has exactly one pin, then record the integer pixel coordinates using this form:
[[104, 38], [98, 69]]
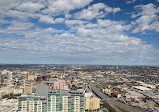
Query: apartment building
[[55, 101], [32, 103], [92, 103]]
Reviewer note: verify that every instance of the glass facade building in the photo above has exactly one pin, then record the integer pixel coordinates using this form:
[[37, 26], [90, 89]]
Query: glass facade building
[[32, 104], [55, 101]]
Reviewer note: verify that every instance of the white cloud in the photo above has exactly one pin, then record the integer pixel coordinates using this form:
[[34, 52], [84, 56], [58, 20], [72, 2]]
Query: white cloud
[[30, 6], [25, 29], [115, 10], [46, 19], [147, 18], [7, 9], [130, 1], [46, 11], [17, 14], [2, 21], [49, 19], [59, 20], [7, 4], [74, 22], [103, 41], [15, 26], [98, 10], [59, 6], [105, 23], [68, 16]]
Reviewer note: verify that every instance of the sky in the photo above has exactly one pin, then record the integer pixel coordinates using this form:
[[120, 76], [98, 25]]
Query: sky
[[106, 32]]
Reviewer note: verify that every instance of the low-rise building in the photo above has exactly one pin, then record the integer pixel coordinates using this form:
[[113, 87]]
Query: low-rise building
[[27, 89], [133, 95], [30, 77], [141, 88], [108, 91], [92, 103], [8, 90], [58, 84]]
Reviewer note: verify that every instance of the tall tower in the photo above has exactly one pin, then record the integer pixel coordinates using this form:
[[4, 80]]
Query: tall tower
[[9, 76]]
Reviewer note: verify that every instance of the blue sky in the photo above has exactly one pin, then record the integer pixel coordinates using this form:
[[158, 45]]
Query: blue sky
[[109, 32]]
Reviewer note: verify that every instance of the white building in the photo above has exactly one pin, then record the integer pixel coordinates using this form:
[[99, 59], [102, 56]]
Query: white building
[[9, 76]]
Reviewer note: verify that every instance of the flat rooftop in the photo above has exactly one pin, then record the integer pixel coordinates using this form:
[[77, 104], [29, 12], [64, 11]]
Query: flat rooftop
[[142, 88]]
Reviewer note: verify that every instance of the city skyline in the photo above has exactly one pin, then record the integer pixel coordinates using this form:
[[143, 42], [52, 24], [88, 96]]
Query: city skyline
[[103, 32]]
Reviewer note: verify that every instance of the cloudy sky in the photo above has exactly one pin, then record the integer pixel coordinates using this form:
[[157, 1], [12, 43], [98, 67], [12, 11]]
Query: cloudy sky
[[109, 32]]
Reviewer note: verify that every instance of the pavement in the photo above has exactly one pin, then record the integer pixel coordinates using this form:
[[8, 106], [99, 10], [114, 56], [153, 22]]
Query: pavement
[[112, 101]]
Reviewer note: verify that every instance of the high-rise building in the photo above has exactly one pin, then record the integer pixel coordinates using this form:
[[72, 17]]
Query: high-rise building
[[54, 101], [9, 76], [31, 103], [65, 101]]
